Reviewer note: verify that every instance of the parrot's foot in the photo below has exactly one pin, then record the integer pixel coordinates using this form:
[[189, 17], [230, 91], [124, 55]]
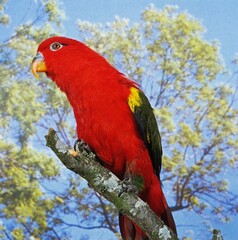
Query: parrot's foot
[[73, 152], [127, 186], [80, 145]]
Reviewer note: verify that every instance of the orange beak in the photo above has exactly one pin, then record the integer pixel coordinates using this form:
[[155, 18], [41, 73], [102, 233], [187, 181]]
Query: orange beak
[[38, 64]]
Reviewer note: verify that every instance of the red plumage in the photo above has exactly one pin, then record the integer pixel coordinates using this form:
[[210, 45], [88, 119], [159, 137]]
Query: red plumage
[[99, 96]]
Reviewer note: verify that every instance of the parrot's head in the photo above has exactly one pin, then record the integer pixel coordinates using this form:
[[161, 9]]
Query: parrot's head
[[62, 59]]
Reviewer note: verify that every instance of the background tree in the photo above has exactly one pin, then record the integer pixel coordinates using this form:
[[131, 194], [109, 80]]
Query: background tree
[[30, 205], [181, 73], [186, 81]]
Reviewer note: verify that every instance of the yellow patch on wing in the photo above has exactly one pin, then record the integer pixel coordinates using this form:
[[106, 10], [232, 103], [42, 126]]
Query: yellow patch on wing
[[134, 99]]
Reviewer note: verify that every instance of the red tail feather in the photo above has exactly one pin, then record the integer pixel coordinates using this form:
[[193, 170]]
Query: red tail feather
[[157, 202]]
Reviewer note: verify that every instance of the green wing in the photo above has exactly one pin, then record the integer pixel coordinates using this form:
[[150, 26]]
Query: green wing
[[147, 125]]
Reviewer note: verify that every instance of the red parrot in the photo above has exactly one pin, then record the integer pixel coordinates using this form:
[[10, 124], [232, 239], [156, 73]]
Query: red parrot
[[113, 116]]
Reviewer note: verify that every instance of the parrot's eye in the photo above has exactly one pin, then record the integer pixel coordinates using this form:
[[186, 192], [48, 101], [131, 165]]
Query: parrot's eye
[[55, 46]]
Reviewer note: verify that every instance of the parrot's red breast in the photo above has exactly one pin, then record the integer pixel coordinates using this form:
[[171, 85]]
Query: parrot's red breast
[[113, 117]]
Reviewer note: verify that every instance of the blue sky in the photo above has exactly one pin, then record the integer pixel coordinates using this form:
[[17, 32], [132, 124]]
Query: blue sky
[[219, 17]]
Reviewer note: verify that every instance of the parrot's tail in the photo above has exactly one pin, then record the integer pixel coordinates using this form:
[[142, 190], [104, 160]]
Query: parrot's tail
[[157, 202]]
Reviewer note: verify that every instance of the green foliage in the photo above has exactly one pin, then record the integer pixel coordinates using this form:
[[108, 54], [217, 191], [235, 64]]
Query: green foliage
[[21, 195], [53, 11], [26, 206], [4, 18]]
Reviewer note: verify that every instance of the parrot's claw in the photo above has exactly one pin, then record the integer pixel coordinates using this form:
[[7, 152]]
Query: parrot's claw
[[73, 152], [127, 186], [80, 145]]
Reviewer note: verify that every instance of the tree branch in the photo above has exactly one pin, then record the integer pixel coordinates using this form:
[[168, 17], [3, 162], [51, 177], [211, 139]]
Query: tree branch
[[109, 186], [217, 235]]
